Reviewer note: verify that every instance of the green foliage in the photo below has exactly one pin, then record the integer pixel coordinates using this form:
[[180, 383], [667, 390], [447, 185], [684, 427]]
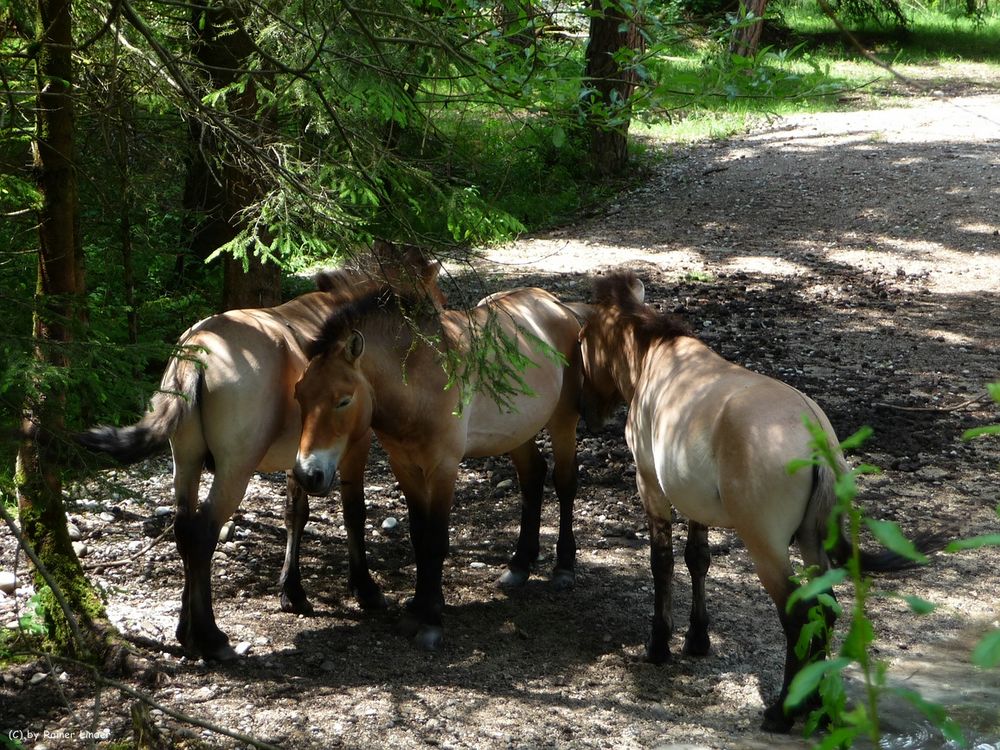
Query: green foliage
[[847, 722]]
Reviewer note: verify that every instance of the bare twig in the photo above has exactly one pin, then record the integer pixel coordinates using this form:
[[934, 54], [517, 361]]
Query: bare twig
[[953, 407]]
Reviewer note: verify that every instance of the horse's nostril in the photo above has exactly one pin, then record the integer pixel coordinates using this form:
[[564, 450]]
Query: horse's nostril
[[309, 478]]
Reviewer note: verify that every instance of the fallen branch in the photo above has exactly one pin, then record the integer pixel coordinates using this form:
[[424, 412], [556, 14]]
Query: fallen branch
[[130, 558], [953, 407]]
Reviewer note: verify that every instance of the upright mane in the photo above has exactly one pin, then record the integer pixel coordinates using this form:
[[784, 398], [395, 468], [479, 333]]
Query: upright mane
[[395, 310], [617, 291]]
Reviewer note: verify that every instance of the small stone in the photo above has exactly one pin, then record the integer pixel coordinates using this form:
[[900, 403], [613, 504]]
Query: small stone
[[261, 641], [163, 510], [8, 582], [226, 532], [81, 549], [506, 484], [106, 517], [477, 565], [390, 525], [243, 647], [37, 677], [12, 625], [74, 532]]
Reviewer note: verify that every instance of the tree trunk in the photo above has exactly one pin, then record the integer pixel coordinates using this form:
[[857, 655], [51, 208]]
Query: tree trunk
[[58, 310], [611, 30], [746, 36], [218, 188]]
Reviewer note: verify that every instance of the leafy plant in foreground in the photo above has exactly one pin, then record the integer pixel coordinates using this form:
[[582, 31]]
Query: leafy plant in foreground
[[848, 721]]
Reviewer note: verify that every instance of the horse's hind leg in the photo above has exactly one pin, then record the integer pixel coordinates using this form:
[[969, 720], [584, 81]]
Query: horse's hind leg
[[564, 476], [352, 493], [775, 573], [697, 556], [197, 535], [531, 468], [293, 595]]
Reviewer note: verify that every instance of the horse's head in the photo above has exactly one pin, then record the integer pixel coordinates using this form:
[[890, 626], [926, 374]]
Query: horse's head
[[336, 404]]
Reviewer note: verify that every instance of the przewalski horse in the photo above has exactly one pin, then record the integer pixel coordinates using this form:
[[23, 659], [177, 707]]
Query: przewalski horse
[[226, 402], [370, 369], [714, 441]]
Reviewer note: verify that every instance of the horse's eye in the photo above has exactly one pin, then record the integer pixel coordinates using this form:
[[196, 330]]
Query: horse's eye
[[345, 402]]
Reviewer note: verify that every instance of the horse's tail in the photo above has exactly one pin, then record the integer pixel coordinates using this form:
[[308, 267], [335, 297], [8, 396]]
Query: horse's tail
[[177, 397], [821, 503]]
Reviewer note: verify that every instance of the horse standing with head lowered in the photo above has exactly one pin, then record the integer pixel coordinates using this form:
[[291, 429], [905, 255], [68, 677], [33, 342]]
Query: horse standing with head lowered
[[378, 364]]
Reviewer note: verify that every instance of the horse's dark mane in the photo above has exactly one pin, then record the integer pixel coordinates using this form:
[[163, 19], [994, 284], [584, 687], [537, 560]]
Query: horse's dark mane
[[615, 290], [382, 301]]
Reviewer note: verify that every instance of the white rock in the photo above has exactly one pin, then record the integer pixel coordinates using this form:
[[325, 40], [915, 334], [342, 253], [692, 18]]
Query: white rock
[[74, 532], [226, 532], [390, 524], [506, 484], [106, 517], [243, 647], [477, 565], [163, 510], [12, 625], [37, 677], [81, 549], [8, 582]]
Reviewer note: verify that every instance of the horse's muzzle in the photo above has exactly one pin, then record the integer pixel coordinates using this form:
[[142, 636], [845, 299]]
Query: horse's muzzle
[[314, 475]]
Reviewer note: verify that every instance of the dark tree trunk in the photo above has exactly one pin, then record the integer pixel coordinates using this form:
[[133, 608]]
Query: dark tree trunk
[[746, 37], [611, 30], [218, 185], [58, 311]]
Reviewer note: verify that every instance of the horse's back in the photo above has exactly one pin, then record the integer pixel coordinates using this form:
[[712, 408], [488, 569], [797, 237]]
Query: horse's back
[[251, 360], [546, 333], [720, 437]]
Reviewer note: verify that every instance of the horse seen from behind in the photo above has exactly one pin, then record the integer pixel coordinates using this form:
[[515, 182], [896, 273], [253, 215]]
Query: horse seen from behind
[[713, 440]]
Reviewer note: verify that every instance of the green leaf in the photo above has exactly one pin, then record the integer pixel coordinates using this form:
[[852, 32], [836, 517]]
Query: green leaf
[[920, 606], [986, 540], [807, 680], [819, 585], [993, 429], [986, 654], [558, 136], [857, 439], [888, 533], [800, 463]]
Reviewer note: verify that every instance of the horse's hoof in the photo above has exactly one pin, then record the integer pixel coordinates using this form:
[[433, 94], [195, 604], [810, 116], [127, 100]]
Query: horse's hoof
[[296, 606], [563, 579], [696, 644], [658, 653], [372, 601], [775, 720], [429, 637], [513, 578]]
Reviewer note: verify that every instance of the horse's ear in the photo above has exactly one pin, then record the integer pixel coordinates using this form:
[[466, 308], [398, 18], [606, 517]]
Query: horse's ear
[[355, 346], [638, 289]]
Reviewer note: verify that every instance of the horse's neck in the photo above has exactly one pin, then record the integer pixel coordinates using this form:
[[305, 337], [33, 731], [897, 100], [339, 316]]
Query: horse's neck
[[628, 363]]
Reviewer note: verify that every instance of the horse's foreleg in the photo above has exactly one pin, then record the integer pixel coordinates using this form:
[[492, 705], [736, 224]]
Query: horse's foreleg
[[429, 517], [661, 562], [352, 492], [293, 595], [531, 468], [697, 556], [564, 476]]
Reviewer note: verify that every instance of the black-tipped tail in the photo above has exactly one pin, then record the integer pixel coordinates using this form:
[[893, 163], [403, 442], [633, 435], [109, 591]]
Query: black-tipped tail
[[126, 445], [888, 561]]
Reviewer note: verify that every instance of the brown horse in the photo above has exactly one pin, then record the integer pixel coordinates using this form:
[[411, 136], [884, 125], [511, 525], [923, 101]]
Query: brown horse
[[372, 370], [226, 401], [713, 440]]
